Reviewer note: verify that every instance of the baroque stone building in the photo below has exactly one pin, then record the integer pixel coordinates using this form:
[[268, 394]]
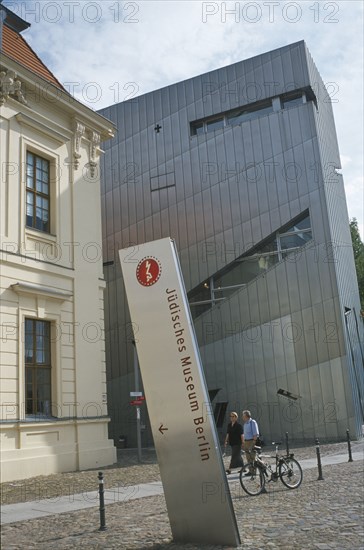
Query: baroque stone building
[[240, 166], [53, 381]]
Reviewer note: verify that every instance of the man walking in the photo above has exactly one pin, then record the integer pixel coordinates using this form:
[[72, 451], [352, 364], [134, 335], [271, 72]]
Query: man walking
[[251, 432]]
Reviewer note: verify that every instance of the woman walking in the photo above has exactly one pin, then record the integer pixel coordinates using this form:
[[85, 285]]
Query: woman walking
[[235, 438]]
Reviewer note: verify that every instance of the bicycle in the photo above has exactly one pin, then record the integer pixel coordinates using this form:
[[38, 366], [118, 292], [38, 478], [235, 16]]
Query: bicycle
[[287, 469]]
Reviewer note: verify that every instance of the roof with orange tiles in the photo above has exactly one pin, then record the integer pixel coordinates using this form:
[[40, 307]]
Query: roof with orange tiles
[[14, 45]]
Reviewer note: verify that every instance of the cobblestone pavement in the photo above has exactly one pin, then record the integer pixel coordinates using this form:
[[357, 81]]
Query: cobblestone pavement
[[126, 472], [320, 515]]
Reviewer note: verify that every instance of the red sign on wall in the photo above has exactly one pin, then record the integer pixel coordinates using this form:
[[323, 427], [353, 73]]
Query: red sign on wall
[[139, 401]]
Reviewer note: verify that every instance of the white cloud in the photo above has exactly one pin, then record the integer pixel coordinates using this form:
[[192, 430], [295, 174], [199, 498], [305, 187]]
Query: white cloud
[[135, 47], [345, 161]]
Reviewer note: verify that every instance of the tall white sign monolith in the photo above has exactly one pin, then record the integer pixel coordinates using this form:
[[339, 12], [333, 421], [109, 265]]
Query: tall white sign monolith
[[195, 486]]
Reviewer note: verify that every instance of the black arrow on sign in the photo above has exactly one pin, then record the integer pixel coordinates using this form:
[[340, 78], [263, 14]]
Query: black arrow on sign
[[161, 429]]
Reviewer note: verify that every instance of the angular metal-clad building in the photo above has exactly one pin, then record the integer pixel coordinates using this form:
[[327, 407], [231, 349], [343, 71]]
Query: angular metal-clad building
[[240, 166]]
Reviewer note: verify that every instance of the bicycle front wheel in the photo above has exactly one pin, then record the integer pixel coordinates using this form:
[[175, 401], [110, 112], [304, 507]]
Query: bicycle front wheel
[[290, 473], [253, 484]]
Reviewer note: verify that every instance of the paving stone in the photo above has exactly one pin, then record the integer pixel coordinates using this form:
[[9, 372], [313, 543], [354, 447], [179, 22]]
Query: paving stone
[[318, 515]]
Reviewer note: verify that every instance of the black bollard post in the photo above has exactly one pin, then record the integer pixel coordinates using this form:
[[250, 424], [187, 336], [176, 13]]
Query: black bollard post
[[287, 444], [349, 446], [102, 502], [320, 477]]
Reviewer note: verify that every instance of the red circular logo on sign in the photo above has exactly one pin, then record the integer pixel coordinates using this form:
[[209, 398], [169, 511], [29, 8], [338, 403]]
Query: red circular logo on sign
[[148, 271]]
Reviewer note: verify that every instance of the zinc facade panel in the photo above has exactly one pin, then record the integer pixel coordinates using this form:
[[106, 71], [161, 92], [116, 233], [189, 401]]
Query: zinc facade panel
[[234, 187]]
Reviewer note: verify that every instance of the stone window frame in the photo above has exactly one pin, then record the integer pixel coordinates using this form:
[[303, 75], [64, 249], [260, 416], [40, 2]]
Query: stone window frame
[[35, 193], [36, 366], [30, 234]]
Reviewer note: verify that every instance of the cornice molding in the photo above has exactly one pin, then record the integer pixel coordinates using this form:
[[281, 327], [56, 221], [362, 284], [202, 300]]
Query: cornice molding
[[45, 126], [63, 99], [40, 290]]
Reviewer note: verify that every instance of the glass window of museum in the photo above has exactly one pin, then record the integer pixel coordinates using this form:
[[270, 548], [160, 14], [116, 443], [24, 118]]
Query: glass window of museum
[[249, 112], [287, 241]]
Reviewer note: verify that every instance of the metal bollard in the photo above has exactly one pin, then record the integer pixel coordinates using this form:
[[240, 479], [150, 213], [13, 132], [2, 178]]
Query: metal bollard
[[102, 502], [320, 477], [349, 446], [287, 444]]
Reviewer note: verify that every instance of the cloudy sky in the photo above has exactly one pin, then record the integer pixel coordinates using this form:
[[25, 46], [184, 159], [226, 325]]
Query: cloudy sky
[[108, 51]]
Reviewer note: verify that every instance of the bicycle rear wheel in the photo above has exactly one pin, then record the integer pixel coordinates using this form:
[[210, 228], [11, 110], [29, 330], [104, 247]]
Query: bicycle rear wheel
[[290, 473], [253, 484]]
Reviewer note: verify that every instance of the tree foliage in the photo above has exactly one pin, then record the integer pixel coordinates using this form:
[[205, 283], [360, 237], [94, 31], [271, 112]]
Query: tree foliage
[[358, 248]]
